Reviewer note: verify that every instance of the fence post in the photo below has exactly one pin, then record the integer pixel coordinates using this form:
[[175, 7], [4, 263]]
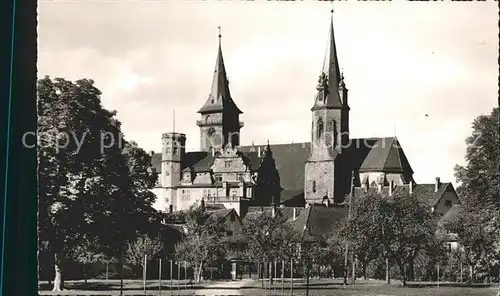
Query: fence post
[[185, 274], [171, 276], [291, 276], [282, 276], [107, 271], [144, 273], [274, 280], [178, 277], [159, 278]]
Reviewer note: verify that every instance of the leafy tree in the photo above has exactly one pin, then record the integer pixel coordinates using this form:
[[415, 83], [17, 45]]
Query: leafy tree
[[143, 246], [86, 253], [480, 178], [92, 183], [477, 235], [270, 238], [308, 254], [399, 226], [203, 241]]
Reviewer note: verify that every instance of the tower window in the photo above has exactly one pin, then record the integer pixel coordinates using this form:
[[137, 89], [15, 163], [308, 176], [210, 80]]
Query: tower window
[[314, 186], [320, 128], [227, 164], [335, 133]]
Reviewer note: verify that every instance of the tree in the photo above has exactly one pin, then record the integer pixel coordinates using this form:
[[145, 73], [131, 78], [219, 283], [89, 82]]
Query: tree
[[86, 253], [480, 178], [141, 247], [477, 235], [270, 238], [400, 226], [203, 241], [92, 183]]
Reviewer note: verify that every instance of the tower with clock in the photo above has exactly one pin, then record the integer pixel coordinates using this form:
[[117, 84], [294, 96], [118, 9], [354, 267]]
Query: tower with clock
[[219, 123]]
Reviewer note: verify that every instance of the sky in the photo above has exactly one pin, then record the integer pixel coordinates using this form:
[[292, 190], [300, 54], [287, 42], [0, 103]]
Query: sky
[[401, 61]]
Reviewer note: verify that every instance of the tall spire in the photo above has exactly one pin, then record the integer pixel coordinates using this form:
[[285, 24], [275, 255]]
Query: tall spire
[[331, 63], [330, 76], [219, 97]]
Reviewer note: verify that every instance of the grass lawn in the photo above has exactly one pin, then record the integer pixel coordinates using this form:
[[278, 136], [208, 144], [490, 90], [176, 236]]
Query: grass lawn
[[253, 288]]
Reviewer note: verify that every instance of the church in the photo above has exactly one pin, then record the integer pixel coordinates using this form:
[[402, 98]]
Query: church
[[323, 172]]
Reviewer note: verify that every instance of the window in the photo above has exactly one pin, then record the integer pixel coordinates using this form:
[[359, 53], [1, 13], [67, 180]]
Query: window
[[186, 177], [314, 186], [448, 203], [176, 150], [335, 133], [218, 178], [167, 173], [319, 128], [227, 164], [229, 233], [233, 192]]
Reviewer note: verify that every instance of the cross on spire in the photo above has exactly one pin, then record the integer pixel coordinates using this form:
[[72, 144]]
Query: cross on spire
[[220, 35]]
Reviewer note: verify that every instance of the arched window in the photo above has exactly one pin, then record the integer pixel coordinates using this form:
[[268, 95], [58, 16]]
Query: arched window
[[314, 186], [319, 128], [335, 134]]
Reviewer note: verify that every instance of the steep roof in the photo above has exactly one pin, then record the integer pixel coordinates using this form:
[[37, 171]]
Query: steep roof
[[317, 220], [386, 155], [220, 97]]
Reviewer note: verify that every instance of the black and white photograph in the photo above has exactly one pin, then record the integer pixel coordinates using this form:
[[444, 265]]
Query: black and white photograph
[[268, 148]]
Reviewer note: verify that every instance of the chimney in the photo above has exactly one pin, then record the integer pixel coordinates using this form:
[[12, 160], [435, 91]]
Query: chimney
[[391, 187], [258, 151], [437, 184], [151, 153], [273, 208], [411, 187], [327, 202], [212, 151], [294, 213]]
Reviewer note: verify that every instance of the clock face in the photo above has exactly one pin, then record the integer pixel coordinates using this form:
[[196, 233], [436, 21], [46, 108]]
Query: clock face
[[211, 132]]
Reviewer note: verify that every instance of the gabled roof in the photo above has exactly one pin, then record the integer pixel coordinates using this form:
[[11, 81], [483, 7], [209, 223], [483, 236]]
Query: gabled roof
[[220, 97], [318, 220], [386, 155]]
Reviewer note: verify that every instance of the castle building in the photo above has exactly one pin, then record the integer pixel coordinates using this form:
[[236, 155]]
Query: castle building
[[227, 175]]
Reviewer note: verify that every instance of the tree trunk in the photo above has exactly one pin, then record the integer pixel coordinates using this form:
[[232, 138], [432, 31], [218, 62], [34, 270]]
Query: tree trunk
[[199, 273], [364, 270], [387, 272], [411, 271], [58, 278]]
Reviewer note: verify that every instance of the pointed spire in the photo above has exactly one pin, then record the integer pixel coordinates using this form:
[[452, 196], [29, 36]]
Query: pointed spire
[[219, 97], [331, 63], [330, 76]]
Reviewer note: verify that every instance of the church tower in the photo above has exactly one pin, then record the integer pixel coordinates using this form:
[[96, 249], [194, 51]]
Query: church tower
[[219, 123], [173, 151], [330, 130]]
